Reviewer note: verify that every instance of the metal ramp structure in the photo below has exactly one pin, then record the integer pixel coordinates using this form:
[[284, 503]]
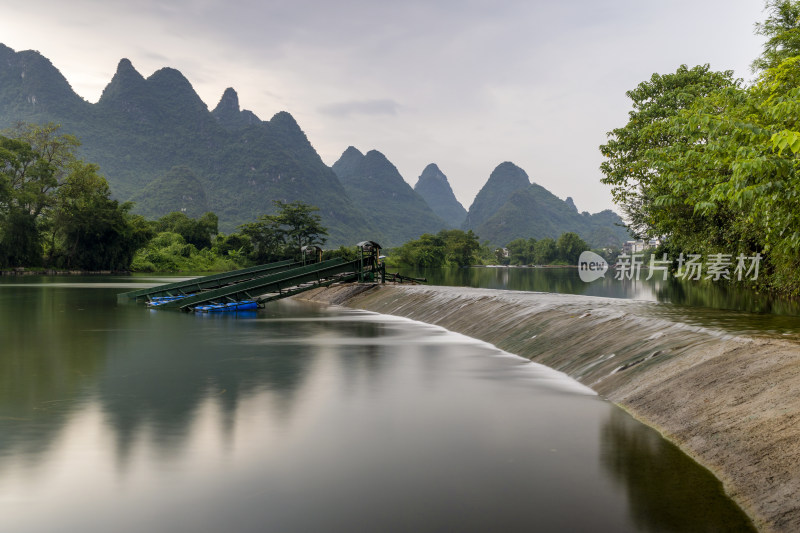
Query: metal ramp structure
[[258, 285], [214, 281]]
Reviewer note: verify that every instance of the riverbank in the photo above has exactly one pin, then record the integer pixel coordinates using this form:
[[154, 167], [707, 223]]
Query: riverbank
[[55, 272], [729, 401]]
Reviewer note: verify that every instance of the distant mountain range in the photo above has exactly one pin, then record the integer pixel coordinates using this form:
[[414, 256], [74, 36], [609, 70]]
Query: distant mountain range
[[158, 144]]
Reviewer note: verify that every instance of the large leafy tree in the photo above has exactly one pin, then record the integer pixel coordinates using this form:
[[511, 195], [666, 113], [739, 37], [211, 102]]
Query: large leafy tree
[[569, 246], [635, 152], [31, 164], [284, 233], [446, 248], [90, 230], [300, 225], [53, 205], [718, 173]]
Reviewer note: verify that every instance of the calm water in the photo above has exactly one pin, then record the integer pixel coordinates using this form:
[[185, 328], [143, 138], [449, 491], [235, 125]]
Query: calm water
[[299, 418]]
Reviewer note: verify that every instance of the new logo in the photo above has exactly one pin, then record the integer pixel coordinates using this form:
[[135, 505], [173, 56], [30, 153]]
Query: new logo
[[591, 266]]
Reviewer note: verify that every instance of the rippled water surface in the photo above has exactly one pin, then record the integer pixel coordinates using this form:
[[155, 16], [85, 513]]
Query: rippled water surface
[[299, 418]]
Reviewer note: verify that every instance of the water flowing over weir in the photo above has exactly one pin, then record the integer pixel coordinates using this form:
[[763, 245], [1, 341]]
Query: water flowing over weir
[[728, 400]]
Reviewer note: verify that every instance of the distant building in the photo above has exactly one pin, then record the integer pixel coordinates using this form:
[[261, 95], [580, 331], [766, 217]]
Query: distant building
[[635, 247]]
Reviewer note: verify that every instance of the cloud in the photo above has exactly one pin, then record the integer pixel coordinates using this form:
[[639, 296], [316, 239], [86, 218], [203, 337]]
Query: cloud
[[361, 107]]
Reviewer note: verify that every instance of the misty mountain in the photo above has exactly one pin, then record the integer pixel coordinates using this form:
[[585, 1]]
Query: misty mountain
[[158, 144], [538, 213], [143, 128], [387, 201], [434, 188]]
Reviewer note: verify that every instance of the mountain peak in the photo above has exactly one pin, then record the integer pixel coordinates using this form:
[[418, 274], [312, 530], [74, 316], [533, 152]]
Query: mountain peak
[[352, 151], [35, 84], [347, 163], [229, 115], [506, 179], [168, 76], [571, 203], [432, 172], [509, 173], [375, 155], [126, 82], [434, 188], [286, 122], [393, 207], [229, 101], [125, 66]]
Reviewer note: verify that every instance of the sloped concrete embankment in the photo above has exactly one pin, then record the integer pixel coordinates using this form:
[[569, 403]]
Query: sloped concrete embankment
[[732, 402]]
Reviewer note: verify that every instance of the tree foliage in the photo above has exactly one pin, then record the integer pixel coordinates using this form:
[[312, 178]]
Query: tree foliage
[[57, 210], [284, 233], [197, 232], [446, 248], [712, 166]]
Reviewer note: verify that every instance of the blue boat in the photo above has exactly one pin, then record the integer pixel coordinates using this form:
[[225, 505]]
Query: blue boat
[[224, 308]]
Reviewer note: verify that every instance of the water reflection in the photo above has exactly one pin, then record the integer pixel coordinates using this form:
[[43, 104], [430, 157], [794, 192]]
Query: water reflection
[[305, 419], [663, 485]]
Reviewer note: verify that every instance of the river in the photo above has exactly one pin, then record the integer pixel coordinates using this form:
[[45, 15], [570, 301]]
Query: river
[[304, 418]]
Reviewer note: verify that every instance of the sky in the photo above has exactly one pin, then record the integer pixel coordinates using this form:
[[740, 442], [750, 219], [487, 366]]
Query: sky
[[464, 84]]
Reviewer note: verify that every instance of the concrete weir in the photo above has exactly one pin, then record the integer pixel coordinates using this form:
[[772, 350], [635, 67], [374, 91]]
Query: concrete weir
[[732, 402]]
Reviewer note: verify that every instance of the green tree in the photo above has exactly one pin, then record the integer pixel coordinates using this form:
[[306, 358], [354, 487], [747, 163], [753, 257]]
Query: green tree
[[299, 224], [461, 248], [569, 247], [782, 30], [267, 243], [634, 153], [719, 172], [444, 249], [233, 244], [89, 230], [33, 161], [194, 231], [284, 233], [521, 251], [545, 251]]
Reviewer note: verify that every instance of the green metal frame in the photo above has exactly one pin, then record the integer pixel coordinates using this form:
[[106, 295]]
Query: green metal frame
[[268, 282], [204, 283], [282, 284]]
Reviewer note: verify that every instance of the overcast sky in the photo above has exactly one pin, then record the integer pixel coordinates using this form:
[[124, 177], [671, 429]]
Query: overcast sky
[[464, 84]]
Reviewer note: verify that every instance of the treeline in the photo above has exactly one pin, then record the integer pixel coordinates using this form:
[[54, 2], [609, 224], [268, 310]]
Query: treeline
[[185, 244], [56, 210], [456, 248], [712, 166], [444, 249], [546, 251]]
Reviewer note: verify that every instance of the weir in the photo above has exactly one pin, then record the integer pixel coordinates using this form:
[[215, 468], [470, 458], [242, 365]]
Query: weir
[[728, 400]]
